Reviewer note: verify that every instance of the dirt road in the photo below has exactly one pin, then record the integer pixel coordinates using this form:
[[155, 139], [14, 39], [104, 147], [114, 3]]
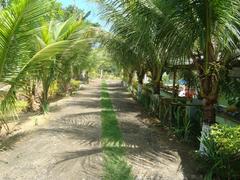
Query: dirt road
[[151, 152], [68, 146]]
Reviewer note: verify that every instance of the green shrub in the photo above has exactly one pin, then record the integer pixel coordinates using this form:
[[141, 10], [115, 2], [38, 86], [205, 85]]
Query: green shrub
[[75, 84], [21, 105], [135, 85], [222, 158], [53, 89], [227, 138], [144, 100]]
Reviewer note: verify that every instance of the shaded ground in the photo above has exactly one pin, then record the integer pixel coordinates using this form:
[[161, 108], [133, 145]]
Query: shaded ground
[[152, 154], [68, 146]]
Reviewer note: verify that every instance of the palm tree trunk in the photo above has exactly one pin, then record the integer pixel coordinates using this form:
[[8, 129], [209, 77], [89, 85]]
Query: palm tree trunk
[[68, 74], [209, 80], [156, 76], [209, 90], [209, 83], [130, 81], [209, 113], [156, 87], [140, 75], [130, 78], [32, 97], [44, 99], [175, 93]]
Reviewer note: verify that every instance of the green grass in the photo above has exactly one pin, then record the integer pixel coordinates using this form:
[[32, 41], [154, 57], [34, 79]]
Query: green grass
[[115, 165]]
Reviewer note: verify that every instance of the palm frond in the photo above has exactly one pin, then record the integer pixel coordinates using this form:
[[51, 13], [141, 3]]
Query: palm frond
[[41, 60], [17, 24]]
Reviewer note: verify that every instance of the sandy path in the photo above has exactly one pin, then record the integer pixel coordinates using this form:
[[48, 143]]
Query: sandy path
[[67, 148], [152, 154]]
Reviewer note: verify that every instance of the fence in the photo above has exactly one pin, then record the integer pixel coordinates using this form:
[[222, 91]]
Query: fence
[[180, 115]]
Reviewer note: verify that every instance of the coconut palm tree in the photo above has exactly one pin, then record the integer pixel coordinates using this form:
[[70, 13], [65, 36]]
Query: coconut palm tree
[[19, 59], [204, 32], [73, 30], [208, 33], [138, 32]]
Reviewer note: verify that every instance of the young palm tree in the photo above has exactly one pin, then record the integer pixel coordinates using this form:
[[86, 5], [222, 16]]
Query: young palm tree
[[72, 30], [78, 58], [20, 21]]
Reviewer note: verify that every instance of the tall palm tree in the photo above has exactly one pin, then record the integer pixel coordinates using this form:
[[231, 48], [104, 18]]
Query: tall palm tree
[[205, 32], [138, 32]]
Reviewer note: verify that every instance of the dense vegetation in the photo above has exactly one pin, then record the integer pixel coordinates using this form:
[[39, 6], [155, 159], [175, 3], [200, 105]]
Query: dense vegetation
[[44, 50], [222, 153]]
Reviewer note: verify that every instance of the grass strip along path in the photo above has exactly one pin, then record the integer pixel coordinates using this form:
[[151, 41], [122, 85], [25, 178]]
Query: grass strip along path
[[115, 165]]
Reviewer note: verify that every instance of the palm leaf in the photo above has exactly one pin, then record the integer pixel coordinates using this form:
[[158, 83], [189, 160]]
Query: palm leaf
[[17, 24], [40, 60]]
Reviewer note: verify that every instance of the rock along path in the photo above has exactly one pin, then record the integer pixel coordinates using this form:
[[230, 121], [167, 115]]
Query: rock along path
[[68, 146]]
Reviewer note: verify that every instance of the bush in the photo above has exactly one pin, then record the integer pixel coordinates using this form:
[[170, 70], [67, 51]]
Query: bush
[[135, 85], [75, 84], [144, 100], [54, 89], [222, 158], [21, 105]]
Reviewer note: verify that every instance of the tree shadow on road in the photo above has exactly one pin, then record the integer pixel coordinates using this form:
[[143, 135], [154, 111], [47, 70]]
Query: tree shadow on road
[[155, 147], [67, 156], [9, 142]]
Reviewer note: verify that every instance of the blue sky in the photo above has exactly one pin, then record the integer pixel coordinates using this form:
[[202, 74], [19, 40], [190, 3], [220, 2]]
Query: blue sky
[[87, 6]]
